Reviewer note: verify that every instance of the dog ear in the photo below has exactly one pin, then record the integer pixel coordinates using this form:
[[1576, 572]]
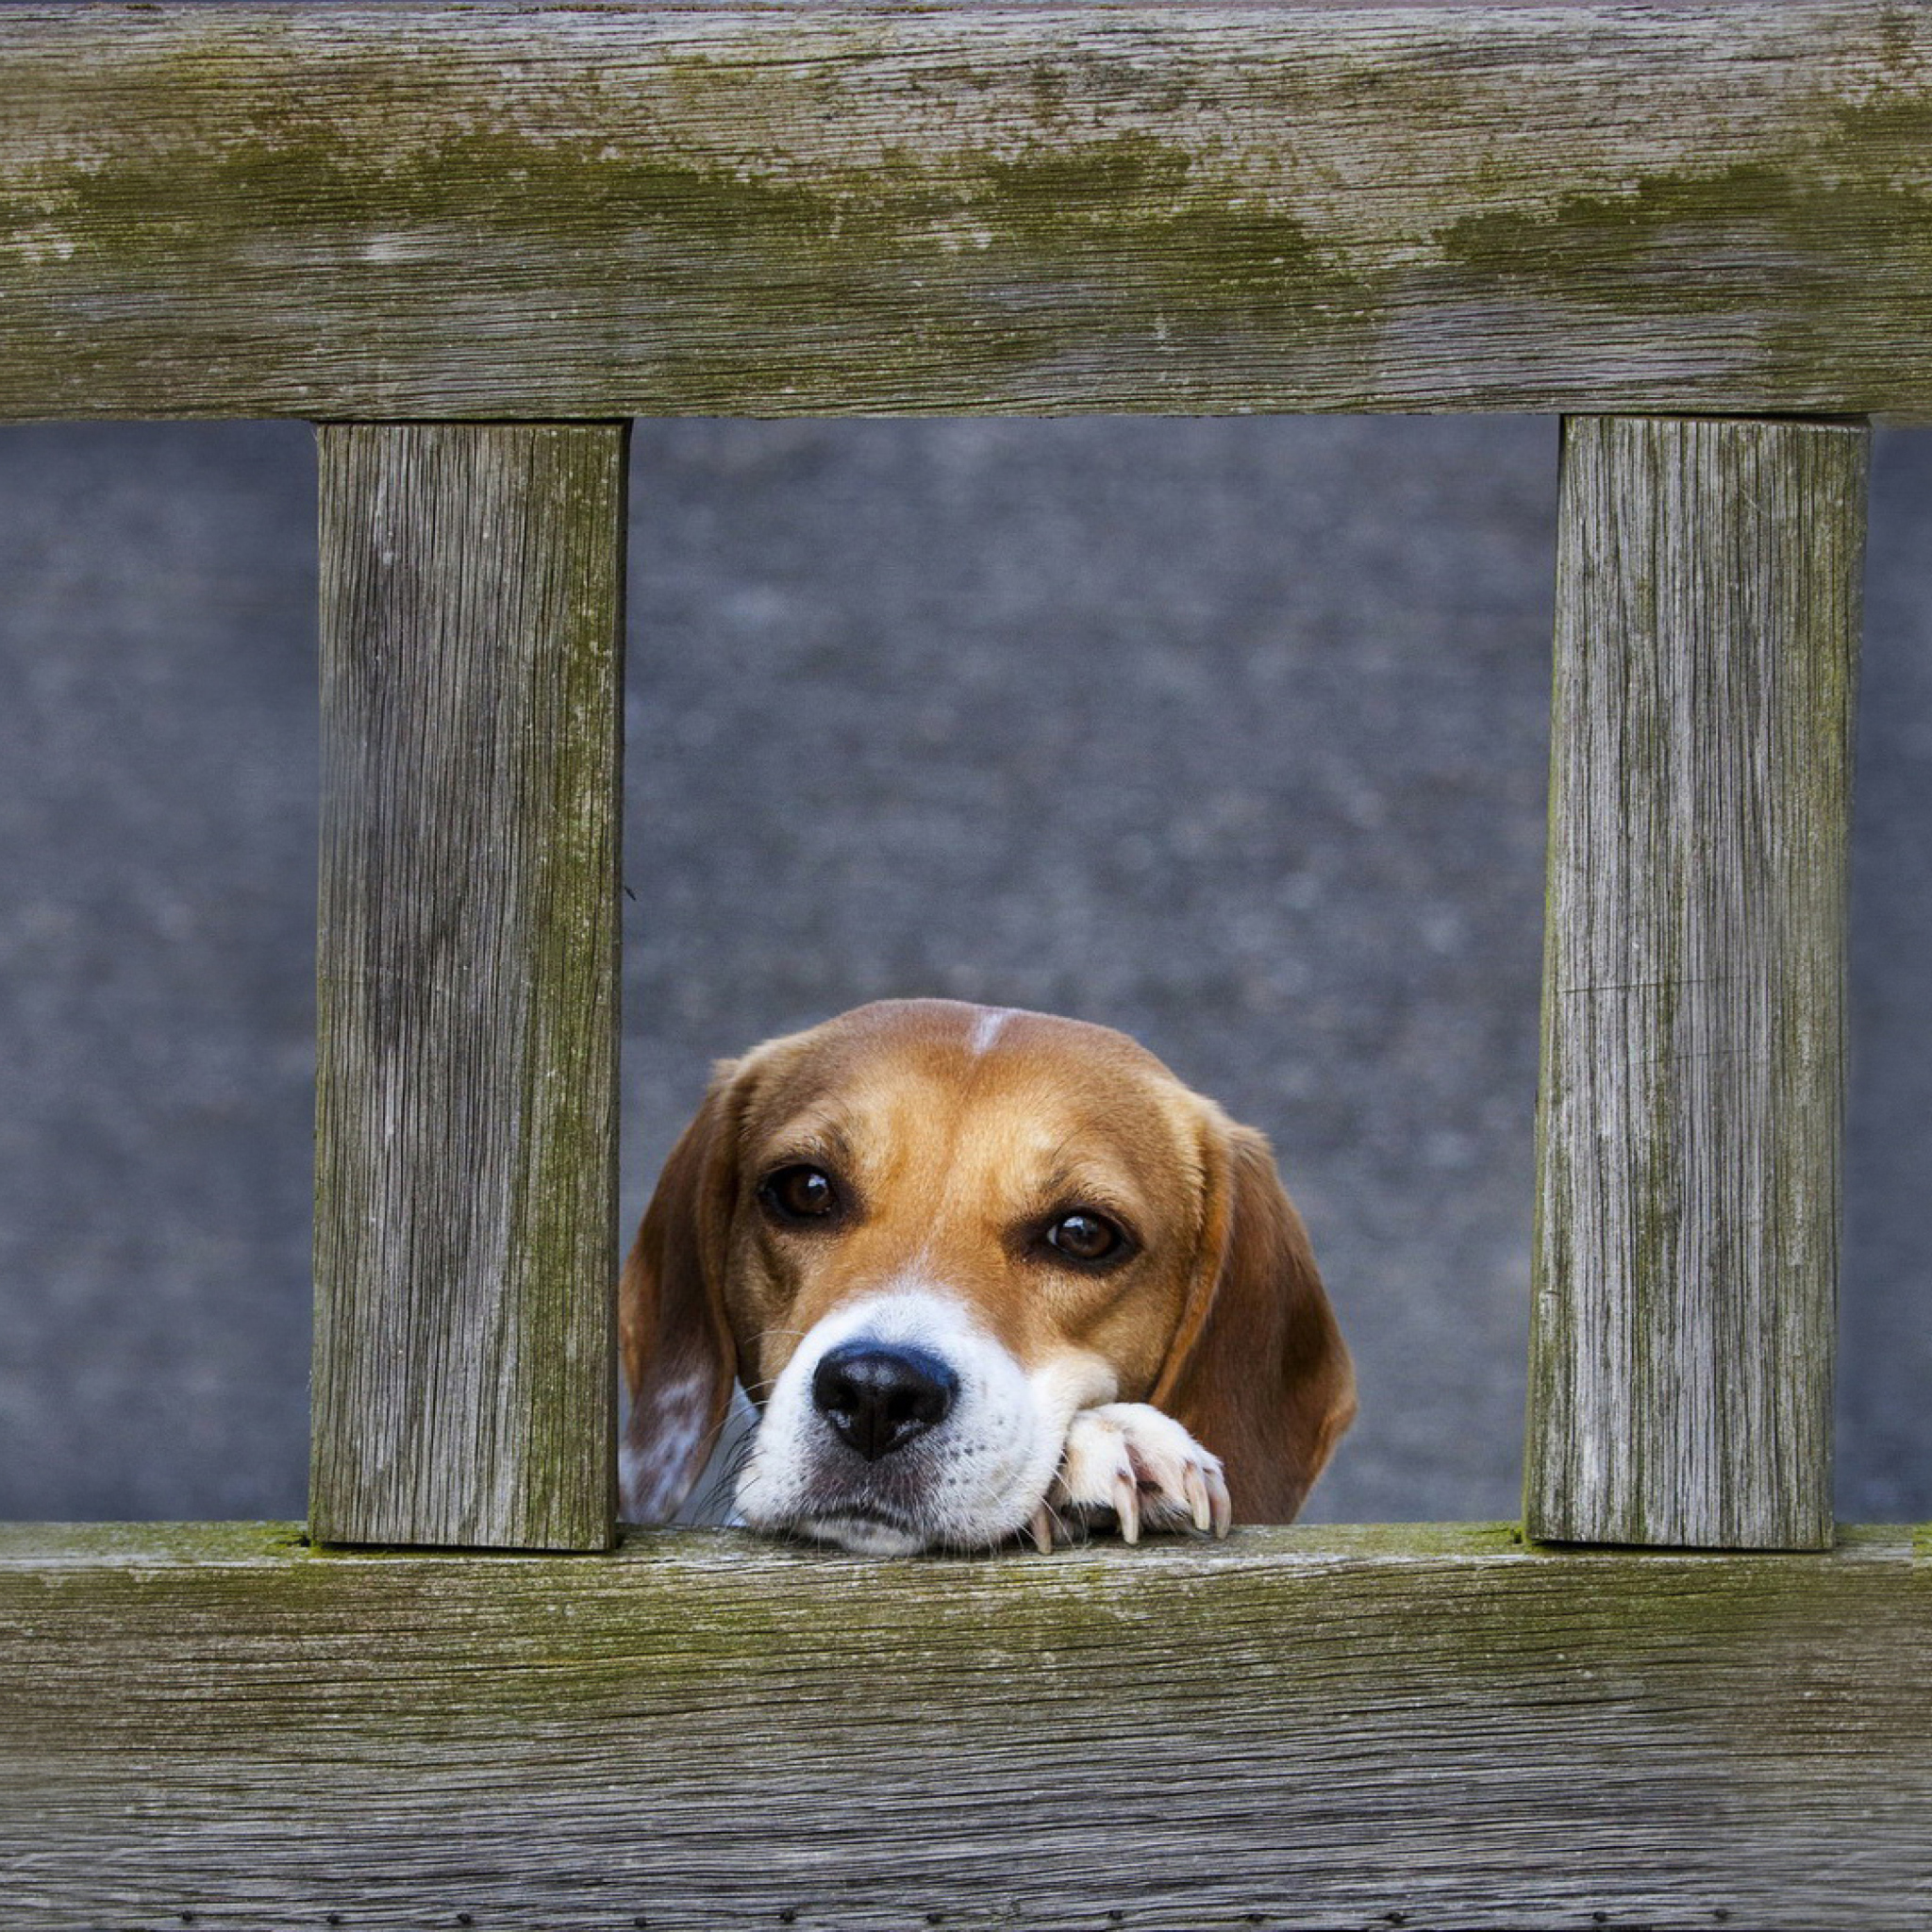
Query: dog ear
[[678, 1358], [1258, 1371]]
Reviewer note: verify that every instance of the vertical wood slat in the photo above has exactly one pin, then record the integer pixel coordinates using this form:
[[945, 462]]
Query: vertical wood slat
[[1691, 1106], [472, 641]]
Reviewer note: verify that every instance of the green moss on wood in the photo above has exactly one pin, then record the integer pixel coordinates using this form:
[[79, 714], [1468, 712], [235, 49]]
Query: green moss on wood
[[1124, 236], [566, 1184], [1706, 624], [466, 1251], [916, 210], [1810, 253]]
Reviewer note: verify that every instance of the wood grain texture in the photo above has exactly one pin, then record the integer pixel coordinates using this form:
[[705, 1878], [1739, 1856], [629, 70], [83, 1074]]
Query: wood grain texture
[[466, 1126], [490, 212], [1690, 1122], [1305, 1728]]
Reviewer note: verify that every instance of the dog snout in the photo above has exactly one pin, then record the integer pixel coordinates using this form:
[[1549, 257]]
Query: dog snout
[[878, 1398]]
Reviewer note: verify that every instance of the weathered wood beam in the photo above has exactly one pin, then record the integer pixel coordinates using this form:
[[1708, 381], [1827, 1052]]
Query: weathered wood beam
[[1317, 1727], [1689, 1133], [466, 1137], [500, 211]]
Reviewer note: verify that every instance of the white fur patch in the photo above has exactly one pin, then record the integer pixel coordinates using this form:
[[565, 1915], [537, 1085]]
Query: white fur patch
[[658, 1446], [972, 1481], [986, 1029]]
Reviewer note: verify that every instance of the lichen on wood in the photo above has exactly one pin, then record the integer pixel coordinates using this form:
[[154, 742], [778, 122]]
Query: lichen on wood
[[466, 1137], [1318, 1725], [1686, 1274], [437, 211]]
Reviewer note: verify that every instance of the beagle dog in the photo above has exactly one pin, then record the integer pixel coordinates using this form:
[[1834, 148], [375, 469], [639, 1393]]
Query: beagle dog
[[986, 1272]]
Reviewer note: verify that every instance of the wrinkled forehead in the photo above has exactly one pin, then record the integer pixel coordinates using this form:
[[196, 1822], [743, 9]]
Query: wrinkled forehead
[[929, 1088]]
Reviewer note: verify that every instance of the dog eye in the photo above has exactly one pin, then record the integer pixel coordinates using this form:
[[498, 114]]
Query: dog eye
[[800, 1194], [1086, 1236]]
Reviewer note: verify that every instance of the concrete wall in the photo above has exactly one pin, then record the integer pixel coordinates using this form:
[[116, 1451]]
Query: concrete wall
[[1230, 733]]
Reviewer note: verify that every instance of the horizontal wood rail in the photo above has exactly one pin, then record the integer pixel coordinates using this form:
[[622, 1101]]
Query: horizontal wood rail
[[1433, 1726], [505, 211]]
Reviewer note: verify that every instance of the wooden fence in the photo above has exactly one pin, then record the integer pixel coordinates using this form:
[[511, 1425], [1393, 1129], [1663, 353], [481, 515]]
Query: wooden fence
[[471, 242]]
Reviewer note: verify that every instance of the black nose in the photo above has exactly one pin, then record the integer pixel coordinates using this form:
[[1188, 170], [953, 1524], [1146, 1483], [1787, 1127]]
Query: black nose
[[879, 1399]]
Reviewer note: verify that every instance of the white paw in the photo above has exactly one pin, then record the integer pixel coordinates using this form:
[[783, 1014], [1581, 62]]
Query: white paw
[[1127, 1460]]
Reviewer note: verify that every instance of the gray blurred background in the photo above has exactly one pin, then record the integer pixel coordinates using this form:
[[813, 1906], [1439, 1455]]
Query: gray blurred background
[[1230, 733]]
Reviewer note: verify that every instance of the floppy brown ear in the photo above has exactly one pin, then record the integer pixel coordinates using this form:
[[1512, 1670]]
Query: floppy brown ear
[[1258, 1372], [678, 1358]]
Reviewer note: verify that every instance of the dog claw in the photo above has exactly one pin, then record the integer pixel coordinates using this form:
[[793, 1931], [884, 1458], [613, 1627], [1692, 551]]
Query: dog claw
[[1042, 1527], [1128, 1460], [1195, 1487]]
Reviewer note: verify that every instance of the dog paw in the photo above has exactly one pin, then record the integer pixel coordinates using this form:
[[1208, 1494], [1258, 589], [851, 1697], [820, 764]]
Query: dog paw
[[1127, 1460]]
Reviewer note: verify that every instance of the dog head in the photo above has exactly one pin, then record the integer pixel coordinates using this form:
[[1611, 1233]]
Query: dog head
[[924, 1235]]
